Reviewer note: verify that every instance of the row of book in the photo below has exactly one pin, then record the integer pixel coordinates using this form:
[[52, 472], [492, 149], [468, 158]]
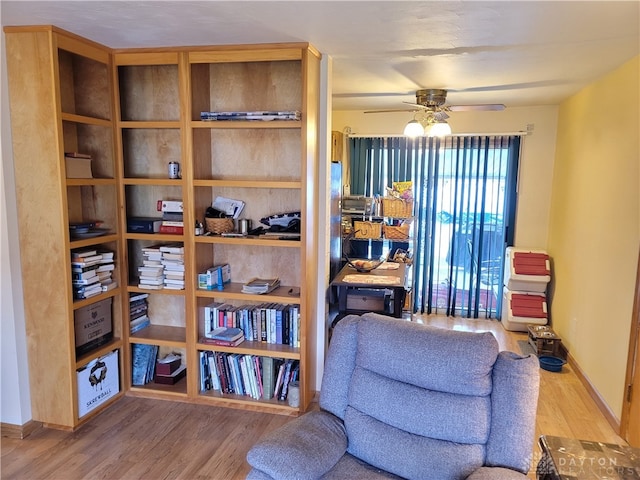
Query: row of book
[[162, 267], [275, 323], [143, 363], [138, 311], [91, 272], [261, 378]]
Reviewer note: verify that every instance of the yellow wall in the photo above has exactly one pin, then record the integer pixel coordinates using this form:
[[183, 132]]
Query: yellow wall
[[594, 229], [536, 166]]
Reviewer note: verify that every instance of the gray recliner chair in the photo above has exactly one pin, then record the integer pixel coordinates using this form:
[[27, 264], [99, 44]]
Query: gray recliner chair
[[405, 400]]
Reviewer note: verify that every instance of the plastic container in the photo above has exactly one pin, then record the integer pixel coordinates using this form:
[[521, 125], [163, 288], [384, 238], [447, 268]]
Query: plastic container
[[552, 364], [526, 270], [520, 309]]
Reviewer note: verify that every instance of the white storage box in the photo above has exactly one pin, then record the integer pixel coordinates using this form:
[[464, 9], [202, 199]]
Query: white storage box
[[526, 270], [98, 381], [520, 309]]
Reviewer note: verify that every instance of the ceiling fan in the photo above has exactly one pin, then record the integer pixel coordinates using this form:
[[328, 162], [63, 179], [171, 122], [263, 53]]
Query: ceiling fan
[[432, 112], [434, 99]]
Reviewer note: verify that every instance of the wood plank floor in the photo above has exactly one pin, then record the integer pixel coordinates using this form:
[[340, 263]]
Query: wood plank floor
[[154, 439]]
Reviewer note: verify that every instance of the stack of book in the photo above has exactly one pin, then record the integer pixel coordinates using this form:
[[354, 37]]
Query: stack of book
[[173, 266], [143, 363], [224, 336], [138, 311], [261, 285], [172, 217], [105, 271], [91, 273], [151, 272]]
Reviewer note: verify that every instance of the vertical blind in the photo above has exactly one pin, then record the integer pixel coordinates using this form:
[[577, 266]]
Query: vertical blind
[[465, 194]]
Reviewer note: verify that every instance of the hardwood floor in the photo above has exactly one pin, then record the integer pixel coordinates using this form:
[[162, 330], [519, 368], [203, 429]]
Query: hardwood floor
[[154, 439]]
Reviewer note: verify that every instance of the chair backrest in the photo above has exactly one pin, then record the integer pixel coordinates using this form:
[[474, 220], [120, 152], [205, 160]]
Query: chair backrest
[[426, 402]]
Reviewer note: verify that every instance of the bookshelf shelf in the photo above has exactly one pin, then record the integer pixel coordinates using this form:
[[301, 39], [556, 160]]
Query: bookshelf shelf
[[116, 343], [256, 348], [72, 117], [160, 335], [246, 124]]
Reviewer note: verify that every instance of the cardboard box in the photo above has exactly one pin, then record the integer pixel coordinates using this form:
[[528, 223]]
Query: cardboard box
[[78, 167], [93, 326], [98, 381], [215, 277]]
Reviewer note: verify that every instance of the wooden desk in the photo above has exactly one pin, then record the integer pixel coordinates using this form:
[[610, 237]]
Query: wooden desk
[[379, 279]]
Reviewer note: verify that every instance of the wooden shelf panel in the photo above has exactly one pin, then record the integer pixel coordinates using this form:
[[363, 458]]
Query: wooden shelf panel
[[88, 242], [148, 124], [96, 298], [160, 335], [159, 181], [87, 182], [237, 183], [261, 241], [98, 352], [162, 390], [72, 117], [233, 291], [257, 124], [256, 348], [248, 403]]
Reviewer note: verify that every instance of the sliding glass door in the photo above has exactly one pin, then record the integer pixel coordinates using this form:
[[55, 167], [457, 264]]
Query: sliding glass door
[[465, 199]]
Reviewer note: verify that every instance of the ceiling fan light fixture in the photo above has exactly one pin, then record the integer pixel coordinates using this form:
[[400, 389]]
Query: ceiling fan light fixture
[[414, 129], [438, 129]]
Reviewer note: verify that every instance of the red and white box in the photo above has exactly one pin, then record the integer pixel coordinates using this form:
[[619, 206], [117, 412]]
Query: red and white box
[[520, 309], [526, 270]]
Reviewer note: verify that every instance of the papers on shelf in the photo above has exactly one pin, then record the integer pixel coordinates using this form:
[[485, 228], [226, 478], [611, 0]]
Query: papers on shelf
[[259, 115], [232, 208], [371, 279], [260, 285]]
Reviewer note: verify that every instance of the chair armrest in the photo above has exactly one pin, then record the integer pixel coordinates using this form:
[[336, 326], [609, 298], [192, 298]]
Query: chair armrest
[[305, 448], [496, 473]]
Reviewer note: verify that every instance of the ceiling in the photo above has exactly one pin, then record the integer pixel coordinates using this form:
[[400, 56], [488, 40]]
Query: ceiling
[[511, 52]]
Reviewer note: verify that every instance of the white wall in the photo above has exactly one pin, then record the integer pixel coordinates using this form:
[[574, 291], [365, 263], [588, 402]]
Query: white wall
[[16, 403], [536, 165]]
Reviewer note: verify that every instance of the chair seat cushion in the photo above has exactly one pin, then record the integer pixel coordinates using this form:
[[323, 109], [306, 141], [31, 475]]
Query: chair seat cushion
[[302, 449]]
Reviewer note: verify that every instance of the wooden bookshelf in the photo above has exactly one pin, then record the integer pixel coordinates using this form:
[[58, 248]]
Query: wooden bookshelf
[[135, 110]]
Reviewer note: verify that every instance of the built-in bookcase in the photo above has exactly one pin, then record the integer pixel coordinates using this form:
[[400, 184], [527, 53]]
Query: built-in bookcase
[[135, 111], [271, 166]]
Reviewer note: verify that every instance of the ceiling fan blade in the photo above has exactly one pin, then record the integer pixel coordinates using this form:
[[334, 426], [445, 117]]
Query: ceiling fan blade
[[392, 111], [483, 107]]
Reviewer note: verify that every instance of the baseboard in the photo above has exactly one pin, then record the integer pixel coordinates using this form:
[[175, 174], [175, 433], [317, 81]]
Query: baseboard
[[19, 431], [593, 393]]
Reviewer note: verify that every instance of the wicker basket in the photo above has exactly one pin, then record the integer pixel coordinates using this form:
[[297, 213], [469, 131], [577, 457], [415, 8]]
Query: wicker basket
[[396, 207], [396, 232], [367, 229], [219, 225]]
